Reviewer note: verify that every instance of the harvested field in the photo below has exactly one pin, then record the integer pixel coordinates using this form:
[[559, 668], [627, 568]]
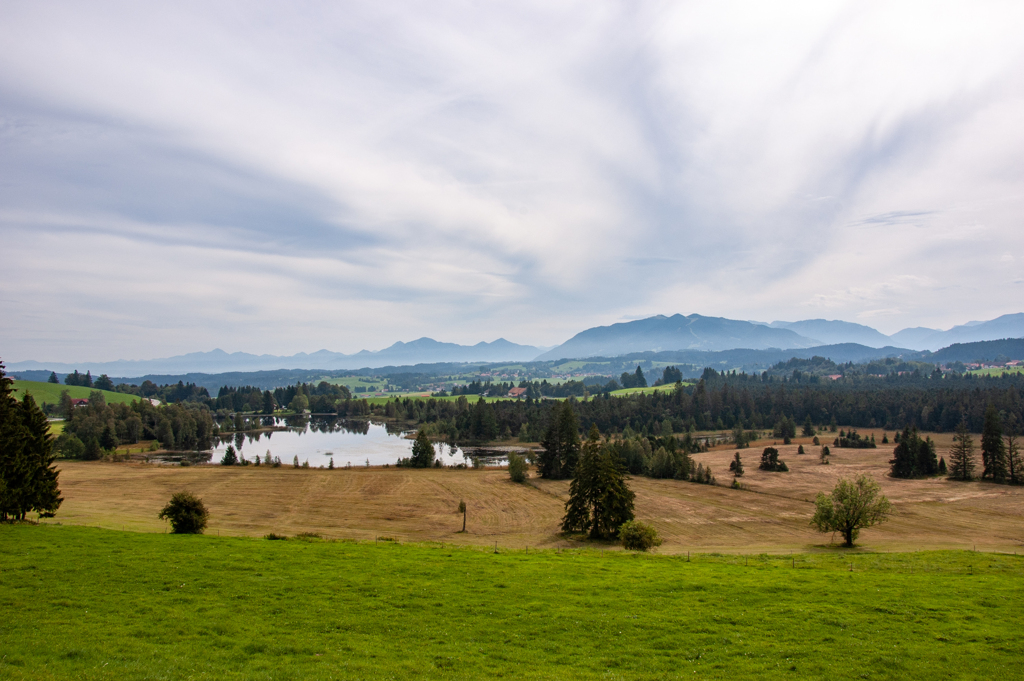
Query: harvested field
[[771, 514]]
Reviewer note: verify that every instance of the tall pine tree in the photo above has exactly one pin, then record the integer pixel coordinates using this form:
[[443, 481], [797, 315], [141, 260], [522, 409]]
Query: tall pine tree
[[993, 452], [1014, 464], [561, 444], [599, 499], [913, 457], [961, 454], [28, 479]]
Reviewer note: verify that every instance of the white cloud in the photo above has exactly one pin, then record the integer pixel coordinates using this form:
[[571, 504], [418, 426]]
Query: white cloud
[[277, 179]]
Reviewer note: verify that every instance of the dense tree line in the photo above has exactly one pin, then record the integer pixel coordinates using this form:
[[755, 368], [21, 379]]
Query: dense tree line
[[28, 478], [169, 393], [730, 402], [100, 427]]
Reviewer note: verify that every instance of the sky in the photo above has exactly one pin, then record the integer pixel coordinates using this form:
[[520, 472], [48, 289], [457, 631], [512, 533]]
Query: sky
[[285, 177]]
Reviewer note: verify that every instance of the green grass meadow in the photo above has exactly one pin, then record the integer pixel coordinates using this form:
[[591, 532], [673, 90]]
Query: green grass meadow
[[50, 392], [997, 371], [86, 603]]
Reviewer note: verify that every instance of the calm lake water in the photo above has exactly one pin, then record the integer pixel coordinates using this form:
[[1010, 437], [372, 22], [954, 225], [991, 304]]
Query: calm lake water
[[318, 440]]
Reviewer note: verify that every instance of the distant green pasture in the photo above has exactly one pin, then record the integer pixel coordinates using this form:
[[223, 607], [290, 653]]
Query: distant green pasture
[[50, 392], [997, 371], [648, 390]]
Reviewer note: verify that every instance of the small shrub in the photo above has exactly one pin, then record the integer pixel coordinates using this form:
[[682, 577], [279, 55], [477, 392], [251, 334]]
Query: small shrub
[[187, 513], [637, 536], [308, 536], [517, 467], [275, 537], [800, 449]]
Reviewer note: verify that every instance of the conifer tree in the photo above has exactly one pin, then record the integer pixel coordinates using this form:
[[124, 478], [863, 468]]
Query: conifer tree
[[45, 496], [599, 499], [108, 440], [736, 467], [230, 457], [808, 430], [1014, 464], [961, 454], [993, 452], [422, 452], [561, 444], [913, 457], [28, 479], [53, 378]]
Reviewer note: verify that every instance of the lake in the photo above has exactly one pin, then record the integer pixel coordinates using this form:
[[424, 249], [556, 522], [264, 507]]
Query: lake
[[318, 440]]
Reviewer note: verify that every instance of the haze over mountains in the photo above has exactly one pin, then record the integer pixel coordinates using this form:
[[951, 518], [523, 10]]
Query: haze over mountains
[[658, 334], [217, 361]]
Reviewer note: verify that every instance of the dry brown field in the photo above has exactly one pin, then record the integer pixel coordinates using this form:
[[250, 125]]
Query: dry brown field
[[772, 513]]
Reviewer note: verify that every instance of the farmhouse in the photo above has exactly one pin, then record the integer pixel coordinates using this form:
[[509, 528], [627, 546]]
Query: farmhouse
[[517, 393], [79, 402]]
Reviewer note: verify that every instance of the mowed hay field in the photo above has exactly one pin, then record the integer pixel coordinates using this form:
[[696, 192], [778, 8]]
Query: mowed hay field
[[772, 513]]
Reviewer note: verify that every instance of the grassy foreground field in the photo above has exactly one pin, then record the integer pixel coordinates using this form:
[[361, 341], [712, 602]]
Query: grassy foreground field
[[97, 604]]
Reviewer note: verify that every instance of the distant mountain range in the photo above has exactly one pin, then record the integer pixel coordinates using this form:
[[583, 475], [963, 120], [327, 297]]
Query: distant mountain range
[[654, 334], [659, 334], [696, 332], [424, 350]]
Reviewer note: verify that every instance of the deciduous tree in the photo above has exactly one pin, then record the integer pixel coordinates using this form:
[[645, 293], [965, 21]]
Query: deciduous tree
[[852, 506], [187, 513]]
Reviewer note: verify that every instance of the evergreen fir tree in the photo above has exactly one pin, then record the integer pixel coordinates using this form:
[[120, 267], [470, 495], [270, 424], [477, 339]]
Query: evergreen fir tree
[[53, 378], [561, 444], [28, 479], [736, 467], [1014, 464], [913, 457], [993, 452], [108, 440], [961, 454], [230, 457], [808, 427], [599, 499], [15, 467], [422, 452], [44, 496]]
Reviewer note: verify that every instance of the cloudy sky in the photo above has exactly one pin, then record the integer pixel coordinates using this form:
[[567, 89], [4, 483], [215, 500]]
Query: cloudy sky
[[285, 177]]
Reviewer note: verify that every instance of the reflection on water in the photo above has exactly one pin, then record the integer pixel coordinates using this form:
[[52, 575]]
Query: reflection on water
[[319, 439]]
